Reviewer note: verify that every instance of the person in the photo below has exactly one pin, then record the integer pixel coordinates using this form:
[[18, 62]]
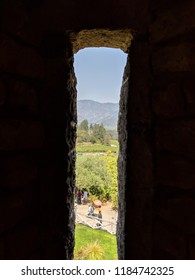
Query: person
[[79, 195], [90, 210], [99, 218], [84, 195]]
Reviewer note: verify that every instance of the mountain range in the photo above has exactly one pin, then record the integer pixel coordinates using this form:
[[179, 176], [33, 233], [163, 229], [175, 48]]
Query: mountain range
[[96, 112]]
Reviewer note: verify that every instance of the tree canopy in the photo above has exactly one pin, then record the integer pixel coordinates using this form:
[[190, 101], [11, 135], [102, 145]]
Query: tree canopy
[[98, 175], [84, 125], [95, 133]]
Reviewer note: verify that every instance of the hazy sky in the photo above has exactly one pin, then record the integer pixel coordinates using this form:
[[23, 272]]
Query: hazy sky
[[99, 73]]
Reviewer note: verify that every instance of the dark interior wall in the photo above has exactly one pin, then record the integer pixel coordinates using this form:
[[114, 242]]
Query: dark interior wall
[[38, 124], [173, 106], [38, 116], [30, 20], [160, 177], [138, 155], [37, 134], [21, 142]]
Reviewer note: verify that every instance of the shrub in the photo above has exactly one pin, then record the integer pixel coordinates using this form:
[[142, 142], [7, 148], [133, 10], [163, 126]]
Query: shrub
[[92, 251]]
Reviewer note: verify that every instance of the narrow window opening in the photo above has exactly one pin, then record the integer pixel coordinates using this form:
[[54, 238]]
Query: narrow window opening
[[99, 74]]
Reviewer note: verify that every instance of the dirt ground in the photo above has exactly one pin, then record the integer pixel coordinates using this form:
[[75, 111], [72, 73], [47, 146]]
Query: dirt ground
[[107, 212], [109, 217]]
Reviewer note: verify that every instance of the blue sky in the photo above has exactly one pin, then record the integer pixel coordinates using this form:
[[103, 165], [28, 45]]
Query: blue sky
[[99, 73]]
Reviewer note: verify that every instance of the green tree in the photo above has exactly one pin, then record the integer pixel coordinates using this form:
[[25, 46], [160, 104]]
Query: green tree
[[113, 134], [84, 125], [100, 133], [82, 136], [98, 175], [95, 133], [91, 174], [111, 167], [93, 140], [91, 127], [107, 139]]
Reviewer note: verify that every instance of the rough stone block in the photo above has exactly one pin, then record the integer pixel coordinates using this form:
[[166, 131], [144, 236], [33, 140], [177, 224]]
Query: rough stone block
[[163, 5], [177, 137], [192, 248], [173, 22], [21, 242], [168, 241], [135, 225], [19, 134], [2, 93], [23, 98], [102, 38], [19, 172], [36, 255], [188, 88], [2, 248], [176, 172], [141, 158], [26, 26], [15, 209], [179, 58], [140, 71], [169, 102], [19, 59], [178, 212]]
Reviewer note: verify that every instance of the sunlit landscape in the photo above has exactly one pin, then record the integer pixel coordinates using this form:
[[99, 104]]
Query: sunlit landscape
[[97, 152]]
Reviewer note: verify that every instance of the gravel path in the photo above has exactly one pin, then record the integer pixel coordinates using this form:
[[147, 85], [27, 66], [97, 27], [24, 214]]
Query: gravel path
[[108, 214]]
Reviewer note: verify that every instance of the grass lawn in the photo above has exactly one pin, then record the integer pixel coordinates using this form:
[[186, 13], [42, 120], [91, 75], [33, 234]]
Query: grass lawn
[[85, 235]]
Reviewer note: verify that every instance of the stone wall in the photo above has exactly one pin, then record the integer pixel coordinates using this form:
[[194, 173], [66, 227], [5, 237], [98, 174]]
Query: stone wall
[[160, 180], [37, 134], [122, 161], [38, 122], [173, 106], [21, 141]]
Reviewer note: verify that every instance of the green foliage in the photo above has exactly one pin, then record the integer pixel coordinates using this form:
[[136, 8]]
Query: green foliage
[[82, 136], [98, 175], [106, 139], [85, 235], [93, 251], [111, 167], [93, 140], [114, 143], [97, 148], [91, 174], [96, 133], [109, 152], [113, 134], [99, 132], [84, 125]]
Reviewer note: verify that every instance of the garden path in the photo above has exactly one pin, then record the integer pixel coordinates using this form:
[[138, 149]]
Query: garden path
[[108, 214]]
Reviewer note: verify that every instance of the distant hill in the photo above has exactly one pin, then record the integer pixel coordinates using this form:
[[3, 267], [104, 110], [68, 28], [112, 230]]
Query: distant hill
[[96, 112]]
